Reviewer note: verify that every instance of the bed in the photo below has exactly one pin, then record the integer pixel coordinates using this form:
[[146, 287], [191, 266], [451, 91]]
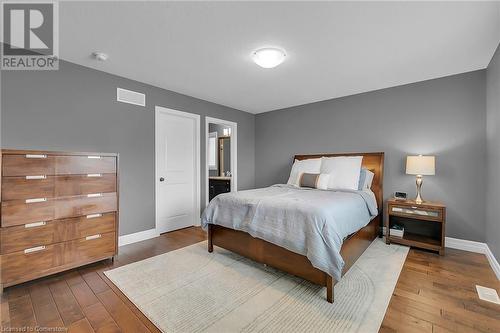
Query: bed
[[287, 228]]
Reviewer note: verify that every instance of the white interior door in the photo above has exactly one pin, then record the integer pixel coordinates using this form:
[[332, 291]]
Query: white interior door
[[177, 169]]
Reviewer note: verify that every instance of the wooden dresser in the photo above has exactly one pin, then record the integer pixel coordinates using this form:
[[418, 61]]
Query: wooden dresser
[[59, 210]]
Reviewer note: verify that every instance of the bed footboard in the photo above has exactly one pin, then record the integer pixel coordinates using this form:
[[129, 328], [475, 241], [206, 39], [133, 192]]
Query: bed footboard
[[269, 254], [290, 262]]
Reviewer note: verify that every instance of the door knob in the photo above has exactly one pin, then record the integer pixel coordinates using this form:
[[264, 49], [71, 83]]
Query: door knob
[[162, 179]]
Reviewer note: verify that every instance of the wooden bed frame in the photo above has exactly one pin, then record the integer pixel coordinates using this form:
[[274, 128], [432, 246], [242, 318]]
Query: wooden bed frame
[[296, 264]]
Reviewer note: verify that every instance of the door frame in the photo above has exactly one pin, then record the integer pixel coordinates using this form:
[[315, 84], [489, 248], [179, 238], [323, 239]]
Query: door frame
[[197, 159], [234, 152]]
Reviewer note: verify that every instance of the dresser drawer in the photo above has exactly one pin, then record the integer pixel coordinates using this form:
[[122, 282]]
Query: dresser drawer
[[417, 212], [16, 212], [66, 165], [26, 187], [27, 165], [41, 164], [85, 184], [42, 186], [42, 260], [88, 225], [95, 246], [85, 205], [18, 238], [18, 265]]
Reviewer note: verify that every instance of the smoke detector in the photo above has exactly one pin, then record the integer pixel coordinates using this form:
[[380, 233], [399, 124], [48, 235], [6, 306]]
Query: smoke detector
[[100, 56]]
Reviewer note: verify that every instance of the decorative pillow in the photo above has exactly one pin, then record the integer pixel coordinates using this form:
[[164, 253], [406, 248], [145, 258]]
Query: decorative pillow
[[308, 166], [365, 179], [314, 180], [344, 171]]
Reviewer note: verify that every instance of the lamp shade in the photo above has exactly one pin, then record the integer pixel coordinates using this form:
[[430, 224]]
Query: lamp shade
[[421, 165]]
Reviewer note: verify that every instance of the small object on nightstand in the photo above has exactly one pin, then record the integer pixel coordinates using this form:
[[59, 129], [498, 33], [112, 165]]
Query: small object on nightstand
[[423, 225], [400, 195], [397, 230]]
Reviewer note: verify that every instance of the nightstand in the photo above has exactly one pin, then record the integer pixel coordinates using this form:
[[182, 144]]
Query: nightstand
[[424, 224]]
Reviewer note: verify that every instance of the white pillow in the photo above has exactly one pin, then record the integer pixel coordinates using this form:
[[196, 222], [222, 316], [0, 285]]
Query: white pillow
[[308, 166], [344, 171], [323, 181]]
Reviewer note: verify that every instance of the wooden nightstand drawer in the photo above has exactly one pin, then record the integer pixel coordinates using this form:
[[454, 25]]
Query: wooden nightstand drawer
[[417, 212]]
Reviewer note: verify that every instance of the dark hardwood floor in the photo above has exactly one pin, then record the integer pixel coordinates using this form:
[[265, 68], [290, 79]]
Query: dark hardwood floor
[[84, 300], [433, 294], [438, 294]]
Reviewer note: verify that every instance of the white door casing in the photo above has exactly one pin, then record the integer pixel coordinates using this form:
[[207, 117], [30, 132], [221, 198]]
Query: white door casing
[[177, 169]]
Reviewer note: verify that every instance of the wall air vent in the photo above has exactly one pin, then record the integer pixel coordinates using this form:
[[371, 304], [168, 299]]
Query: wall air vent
[[131, 97]]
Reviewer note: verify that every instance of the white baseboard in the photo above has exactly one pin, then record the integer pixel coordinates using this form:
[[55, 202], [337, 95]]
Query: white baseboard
[[493, 262], [478, 247], [137, 237], [465, 245]]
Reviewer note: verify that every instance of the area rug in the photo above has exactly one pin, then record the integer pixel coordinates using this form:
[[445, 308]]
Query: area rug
[[191, 290]]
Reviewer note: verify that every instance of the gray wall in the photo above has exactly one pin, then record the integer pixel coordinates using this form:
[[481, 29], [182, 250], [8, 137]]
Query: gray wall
[[75, 109], [493, 145], [445, 117]]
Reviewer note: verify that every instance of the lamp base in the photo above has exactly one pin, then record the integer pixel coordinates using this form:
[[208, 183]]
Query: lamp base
[[419, 181]]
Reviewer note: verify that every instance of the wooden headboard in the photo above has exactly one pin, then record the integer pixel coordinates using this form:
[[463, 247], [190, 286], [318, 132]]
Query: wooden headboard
[[371, 161]]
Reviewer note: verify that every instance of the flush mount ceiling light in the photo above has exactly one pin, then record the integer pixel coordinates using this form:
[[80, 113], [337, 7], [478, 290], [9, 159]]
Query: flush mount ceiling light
[[269, 57]]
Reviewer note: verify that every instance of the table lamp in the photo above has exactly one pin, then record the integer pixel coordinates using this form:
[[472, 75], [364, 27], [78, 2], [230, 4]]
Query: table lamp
[[420, 166]]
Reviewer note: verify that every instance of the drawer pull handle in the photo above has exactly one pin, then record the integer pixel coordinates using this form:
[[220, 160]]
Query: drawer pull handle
[[36, 177], [94, 195], [92, 216], [34, 249], [94, 175], [35, 200], [36, 156], [414, 207], [94, 157], [93, 237], [35, 224]]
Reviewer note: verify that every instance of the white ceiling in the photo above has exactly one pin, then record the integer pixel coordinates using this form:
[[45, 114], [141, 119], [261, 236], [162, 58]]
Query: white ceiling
[[334, 49]]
